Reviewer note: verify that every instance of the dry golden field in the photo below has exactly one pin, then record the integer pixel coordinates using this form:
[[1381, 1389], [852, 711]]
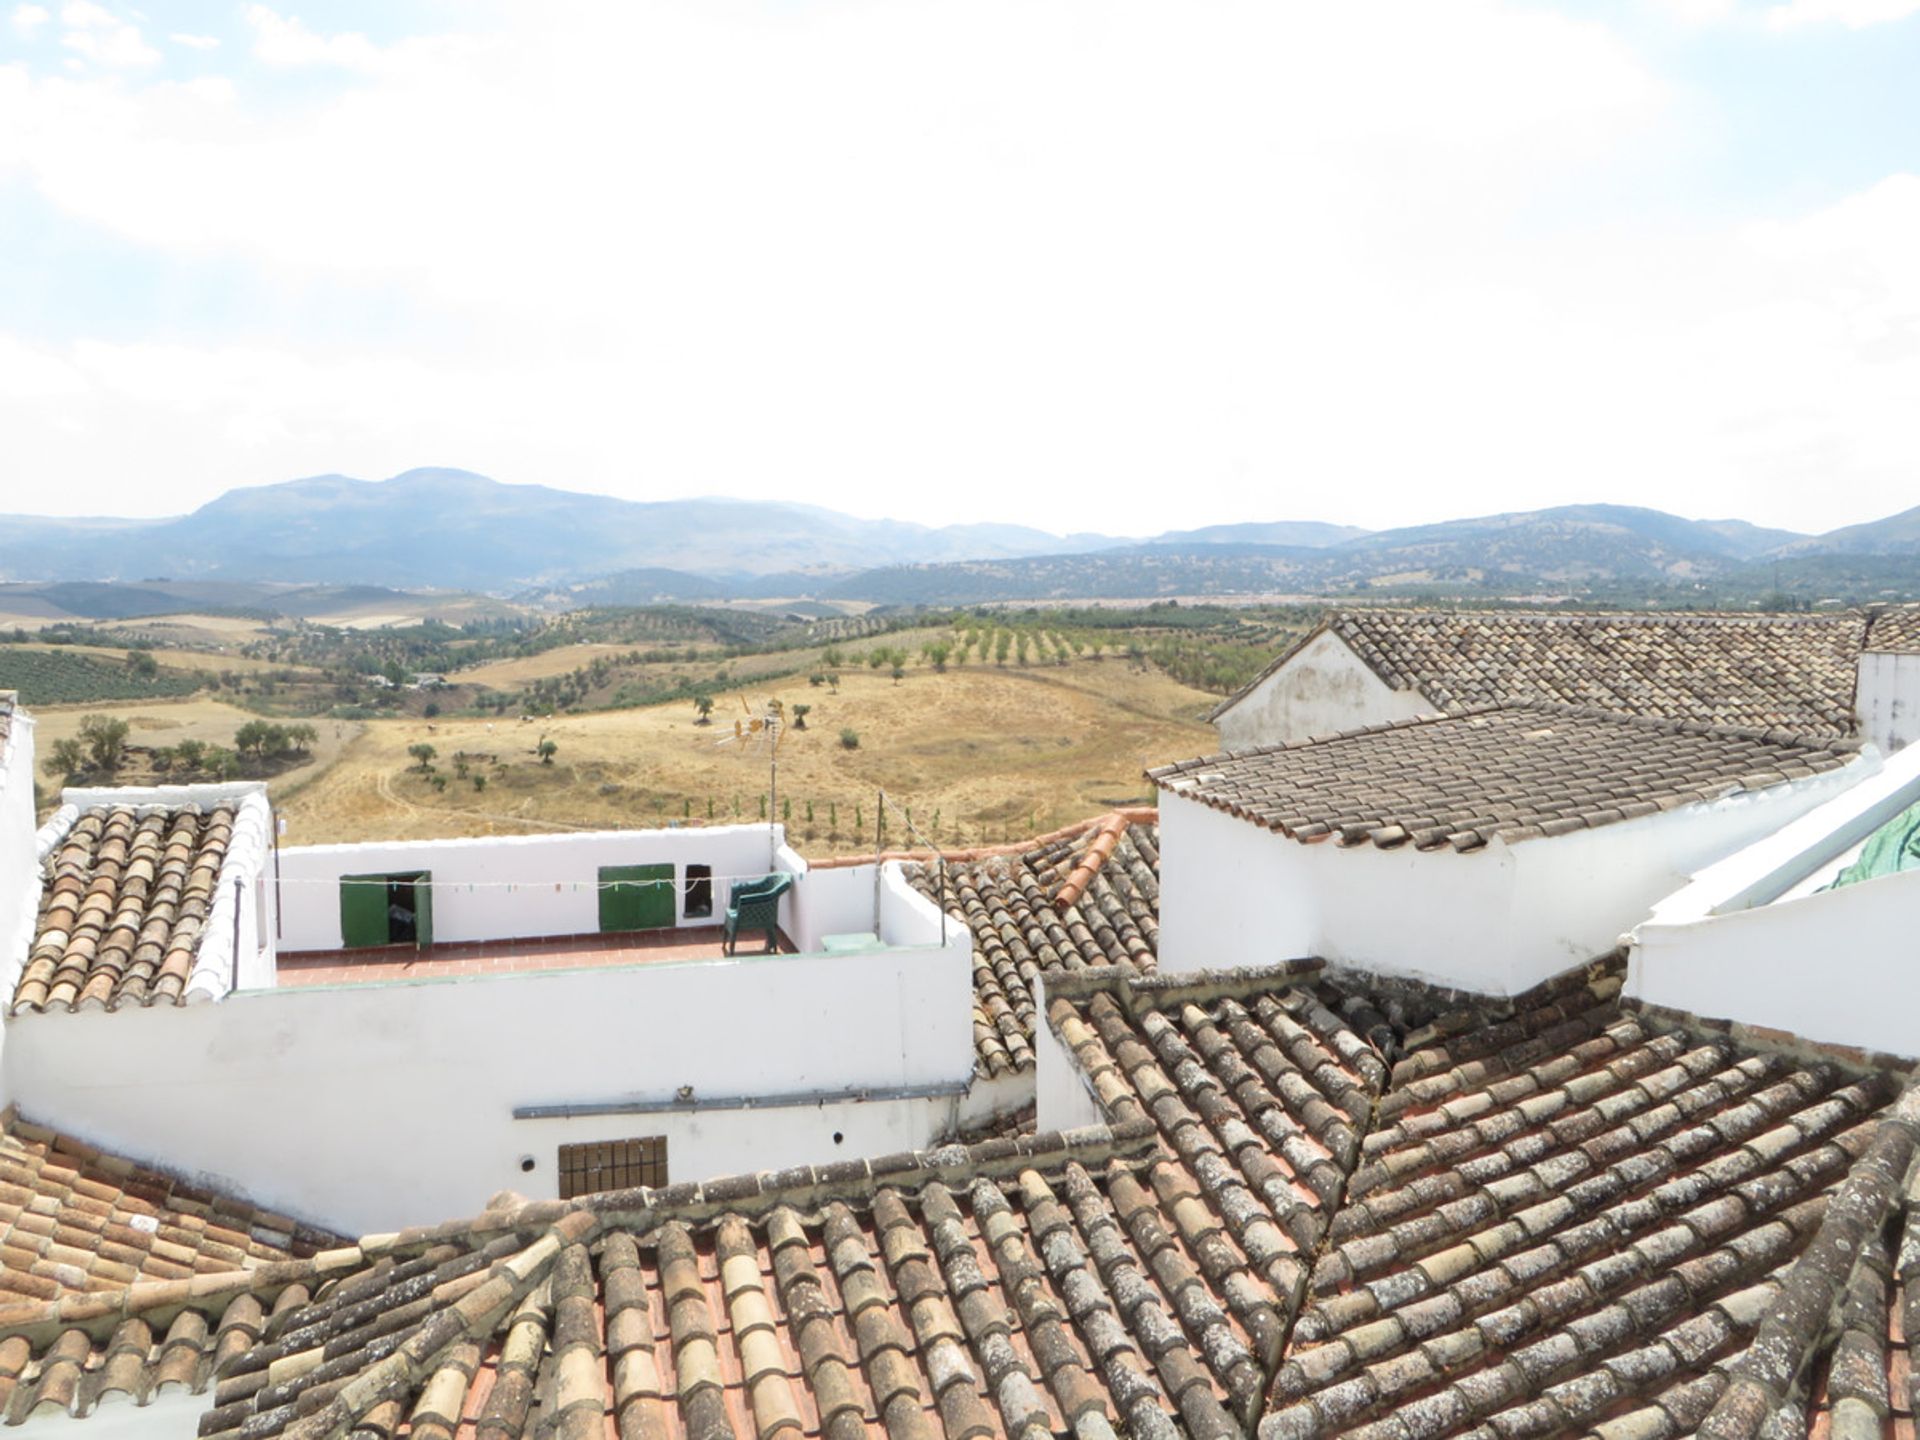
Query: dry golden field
[[994, 752]]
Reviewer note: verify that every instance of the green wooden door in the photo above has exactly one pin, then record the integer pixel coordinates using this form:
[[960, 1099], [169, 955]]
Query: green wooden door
[[636, 897], [363, 910]]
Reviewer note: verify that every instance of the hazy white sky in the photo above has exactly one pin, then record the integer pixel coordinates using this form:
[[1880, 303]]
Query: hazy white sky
[[1085, 264]]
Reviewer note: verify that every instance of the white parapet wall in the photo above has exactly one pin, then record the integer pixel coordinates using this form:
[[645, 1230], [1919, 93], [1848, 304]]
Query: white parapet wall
[[519, 887], [1754, 939], [19, 850], [369, 1106], [839, 900], [1497, 920]]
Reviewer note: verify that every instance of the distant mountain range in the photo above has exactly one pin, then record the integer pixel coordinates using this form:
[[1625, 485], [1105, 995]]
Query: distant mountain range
[[450, 529]]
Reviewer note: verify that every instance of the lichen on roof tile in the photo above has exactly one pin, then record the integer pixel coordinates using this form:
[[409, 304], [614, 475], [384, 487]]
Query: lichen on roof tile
[[1757, 671], [1321, 1205]]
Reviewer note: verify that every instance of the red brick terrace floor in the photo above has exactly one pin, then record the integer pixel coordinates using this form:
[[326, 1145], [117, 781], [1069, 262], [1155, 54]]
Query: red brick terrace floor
[[509, 957]]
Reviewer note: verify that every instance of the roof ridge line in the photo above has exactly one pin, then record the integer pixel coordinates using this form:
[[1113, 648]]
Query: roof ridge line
[[1163, 988], [1129, 814], [97, 1311], [1763, 1377], [807, 1186]]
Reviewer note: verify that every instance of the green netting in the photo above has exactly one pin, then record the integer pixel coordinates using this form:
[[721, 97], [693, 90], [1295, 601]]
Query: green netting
[[1895, 846]]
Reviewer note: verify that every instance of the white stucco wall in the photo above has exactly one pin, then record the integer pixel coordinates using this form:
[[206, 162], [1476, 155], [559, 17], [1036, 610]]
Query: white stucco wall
[[1836, 966], [1751, 938], [1324, 688], [1496, 920], [19, 862], [366, 1107], [505, 887], [836, 901], [1886, 701]]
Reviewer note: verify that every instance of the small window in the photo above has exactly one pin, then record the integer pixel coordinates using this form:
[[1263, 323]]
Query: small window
[[699, 892], [612, 1165]]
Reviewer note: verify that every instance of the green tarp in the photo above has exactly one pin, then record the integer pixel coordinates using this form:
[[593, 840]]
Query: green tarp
[[1895, 846]]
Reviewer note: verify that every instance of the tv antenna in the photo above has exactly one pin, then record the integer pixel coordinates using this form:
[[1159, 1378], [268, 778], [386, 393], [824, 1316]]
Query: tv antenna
[[763, 731]]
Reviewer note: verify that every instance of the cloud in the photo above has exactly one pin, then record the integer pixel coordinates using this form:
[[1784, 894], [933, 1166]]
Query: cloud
[[1081, 263], [96, 34], [287, 42], [196, 42], [27, 19], [1853, 14]]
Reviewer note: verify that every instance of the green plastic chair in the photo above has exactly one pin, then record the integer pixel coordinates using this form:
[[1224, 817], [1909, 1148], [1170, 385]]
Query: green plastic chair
[[755, 905]]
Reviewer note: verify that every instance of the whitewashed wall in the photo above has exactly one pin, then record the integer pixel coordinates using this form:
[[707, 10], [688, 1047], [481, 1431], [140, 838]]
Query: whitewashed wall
[[1231, 893], [1324, 688], [1496, 920], [1887, 700], [522, 886], [1835, 966], [366, 1107], [19, 862], [836, 901], [1750, 939]]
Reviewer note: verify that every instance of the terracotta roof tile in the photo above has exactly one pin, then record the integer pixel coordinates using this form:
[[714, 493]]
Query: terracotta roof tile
[[137, 1284], [1323, 1205], [125, 900], [1089, 896], [1794, 672], [73, 1218], [1895, 629], [1515, 773]]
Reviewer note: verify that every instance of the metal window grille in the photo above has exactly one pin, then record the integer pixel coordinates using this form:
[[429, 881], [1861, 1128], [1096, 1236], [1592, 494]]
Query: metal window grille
[[612, 1165]]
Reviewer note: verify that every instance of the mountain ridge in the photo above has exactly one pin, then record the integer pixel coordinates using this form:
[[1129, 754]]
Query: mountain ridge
[[443, 528]]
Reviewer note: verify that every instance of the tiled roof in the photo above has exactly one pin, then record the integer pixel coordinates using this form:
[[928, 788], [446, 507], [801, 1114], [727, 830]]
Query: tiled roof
[[8, 699], [127, 895], [74, 1218], [1082, 897], [1794, 672], [1562, 1218], [1320, 1207], [1896, 629], [1513, 773], [79, 1230]]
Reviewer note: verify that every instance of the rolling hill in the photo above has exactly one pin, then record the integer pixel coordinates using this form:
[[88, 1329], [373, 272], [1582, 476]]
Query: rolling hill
[[452, 530]]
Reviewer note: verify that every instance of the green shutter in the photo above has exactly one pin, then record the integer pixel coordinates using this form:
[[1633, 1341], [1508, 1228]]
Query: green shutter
[[636, 897], [423, 909], [363, 910]]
